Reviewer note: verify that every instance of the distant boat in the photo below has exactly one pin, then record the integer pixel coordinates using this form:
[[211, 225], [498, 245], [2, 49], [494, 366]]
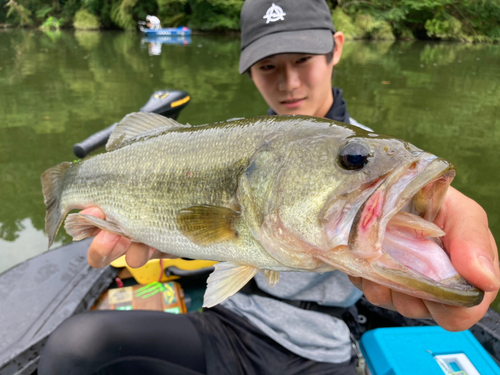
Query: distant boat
[[169, 31], [167, 39]]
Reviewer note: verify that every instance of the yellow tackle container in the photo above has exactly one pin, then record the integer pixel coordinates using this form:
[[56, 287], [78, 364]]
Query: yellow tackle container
[[154, 269]]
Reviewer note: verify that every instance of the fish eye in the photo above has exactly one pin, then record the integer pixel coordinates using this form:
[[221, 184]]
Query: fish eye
[[353, 156]]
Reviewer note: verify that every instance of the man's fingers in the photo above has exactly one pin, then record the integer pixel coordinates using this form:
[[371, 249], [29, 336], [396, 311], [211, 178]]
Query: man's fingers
[[469, 241], [137, 255], [357, 282], [105, 248], [94, 211], [474, 263], [377, 294], [456, 318], [451, 318], [152, 252], [157, 254], [409, 306]]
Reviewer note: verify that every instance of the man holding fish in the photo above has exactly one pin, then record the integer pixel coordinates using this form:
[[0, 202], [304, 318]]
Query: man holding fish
[[296, 325]]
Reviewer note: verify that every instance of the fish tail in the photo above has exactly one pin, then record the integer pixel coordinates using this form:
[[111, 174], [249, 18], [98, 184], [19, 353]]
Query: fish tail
[[52, 185]]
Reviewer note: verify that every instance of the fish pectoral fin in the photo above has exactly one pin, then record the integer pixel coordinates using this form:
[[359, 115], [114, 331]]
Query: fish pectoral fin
[[227, 279], [272, 277], [81, 226], [205, 224], [138, 124]]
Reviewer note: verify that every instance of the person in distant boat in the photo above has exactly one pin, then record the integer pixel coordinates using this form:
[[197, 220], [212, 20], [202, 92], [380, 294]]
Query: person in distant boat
[[153, 22], [289, 49]]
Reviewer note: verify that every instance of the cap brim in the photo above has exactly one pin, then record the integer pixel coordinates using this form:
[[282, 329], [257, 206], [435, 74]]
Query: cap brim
[[319, 41]]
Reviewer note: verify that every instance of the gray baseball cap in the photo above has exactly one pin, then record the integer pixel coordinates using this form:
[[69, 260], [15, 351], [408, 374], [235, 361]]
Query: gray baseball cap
[[270, 27]]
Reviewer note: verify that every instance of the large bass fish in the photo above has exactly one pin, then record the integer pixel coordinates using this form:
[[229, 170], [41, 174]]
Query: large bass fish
[[269, 194]]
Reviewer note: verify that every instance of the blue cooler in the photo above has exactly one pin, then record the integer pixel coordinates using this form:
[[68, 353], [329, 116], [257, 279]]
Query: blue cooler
[[425, 351]]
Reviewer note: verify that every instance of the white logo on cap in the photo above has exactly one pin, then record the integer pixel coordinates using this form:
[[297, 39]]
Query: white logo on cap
[[274, 13]]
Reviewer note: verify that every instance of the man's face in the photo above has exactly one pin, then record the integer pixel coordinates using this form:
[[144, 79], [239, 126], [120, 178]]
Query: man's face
[[297, 84]]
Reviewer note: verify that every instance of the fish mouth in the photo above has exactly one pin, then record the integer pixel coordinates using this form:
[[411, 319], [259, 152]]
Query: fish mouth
[[393, 230]]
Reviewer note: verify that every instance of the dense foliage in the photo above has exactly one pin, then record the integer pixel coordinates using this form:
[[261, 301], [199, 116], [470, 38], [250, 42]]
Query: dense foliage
[[465, 20]]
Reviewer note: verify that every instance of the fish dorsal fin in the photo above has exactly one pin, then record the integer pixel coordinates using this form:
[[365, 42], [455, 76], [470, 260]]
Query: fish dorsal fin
[[205, 224], [227, 279], [272, 277], [139, 124]]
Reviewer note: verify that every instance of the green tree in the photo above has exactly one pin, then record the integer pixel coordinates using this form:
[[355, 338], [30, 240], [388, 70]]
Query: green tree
[[84, 20], [465, 20], [216, 14]]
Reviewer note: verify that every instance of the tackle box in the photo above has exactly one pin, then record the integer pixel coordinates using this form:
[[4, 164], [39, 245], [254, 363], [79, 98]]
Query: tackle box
[[167, 297], [429, 350]]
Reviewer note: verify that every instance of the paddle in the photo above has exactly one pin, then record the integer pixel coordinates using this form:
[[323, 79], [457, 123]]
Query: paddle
[[168, 103]]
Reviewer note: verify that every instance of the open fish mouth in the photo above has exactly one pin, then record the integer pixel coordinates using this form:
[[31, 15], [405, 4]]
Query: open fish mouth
[[394, 231]]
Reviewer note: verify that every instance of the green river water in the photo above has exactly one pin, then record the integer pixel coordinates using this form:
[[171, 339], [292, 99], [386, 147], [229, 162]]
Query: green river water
[[56, 89]]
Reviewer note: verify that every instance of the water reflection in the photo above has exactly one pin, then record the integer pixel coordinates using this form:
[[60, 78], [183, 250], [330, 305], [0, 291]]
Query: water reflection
[[26, 236], [57, 90], [155, 42]]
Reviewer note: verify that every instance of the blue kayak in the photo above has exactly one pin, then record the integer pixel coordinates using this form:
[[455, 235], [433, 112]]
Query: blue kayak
[[170, 31]]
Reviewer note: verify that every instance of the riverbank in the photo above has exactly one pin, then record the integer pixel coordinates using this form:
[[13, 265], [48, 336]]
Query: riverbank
[[471, 21]]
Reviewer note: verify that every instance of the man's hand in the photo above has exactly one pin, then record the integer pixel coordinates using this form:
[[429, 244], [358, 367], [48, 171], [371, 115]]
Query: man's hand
[[106, 247], [474, 255]]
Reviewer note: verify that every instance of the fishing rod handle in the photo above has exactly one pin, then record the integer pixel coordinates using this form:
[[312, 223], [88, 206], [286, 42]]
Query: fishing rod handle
[[93, 142]]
